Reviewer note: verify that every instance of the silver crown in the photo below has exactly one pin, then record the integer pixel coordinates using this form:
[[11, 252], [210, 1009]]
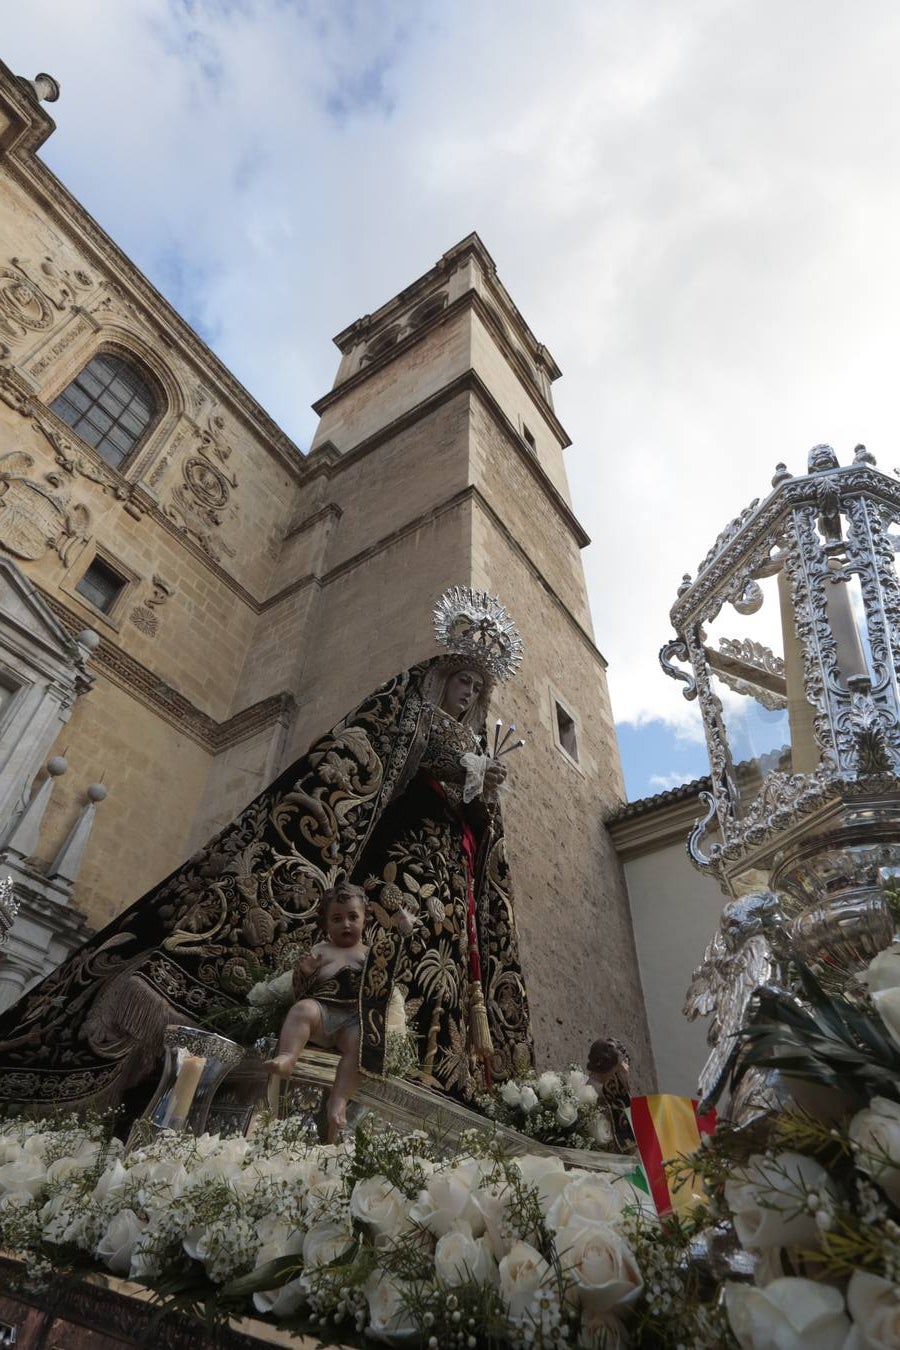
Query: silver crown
[[474, 625]]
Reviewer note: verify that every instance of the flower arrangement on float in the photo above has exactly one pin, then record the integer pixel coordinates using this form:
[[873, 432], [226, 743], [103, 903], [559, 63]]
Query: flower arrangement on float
[[377, 1235], [797, 1243], [553, 1108]]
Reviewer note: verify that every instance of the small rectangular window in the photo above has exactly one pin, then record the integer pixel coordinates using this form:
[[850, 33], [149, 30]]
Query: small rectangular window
[[101, 585], [528, 437], [565, 730]]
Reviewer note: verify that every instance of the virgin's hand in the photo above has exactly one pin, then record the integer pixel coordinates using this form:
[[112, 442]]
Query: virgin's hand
[[308, 965], [494, 776]]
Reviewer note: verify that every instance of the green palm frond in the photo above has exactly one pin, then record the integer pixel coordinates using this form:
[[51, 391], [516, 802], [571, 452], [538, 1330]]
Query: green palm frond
[[826, 1039]]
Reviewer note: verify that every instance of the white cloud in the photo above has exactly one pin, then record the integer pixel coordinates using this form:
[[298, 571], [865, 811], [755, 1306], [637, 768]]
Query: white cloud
[[663, 782], [692, 205]]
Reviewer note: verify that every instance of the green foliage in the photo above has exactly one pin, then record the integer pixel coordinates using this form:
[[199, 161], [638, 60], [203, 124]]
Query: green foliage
[[827, 1039]]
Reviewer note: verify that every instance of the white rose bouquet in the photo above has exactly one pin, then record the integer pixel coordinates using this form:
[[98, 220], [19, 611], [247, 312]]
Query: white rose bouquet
[[553, 1107]]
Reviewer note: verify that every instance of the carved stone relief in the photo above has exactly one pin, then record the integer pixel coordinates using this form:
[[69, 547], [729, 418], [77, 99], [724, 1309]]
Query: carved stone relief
[[144, 615], [24, 308], [198, 504], [75, 329], [202, 500], [30, 294], [37, 516]]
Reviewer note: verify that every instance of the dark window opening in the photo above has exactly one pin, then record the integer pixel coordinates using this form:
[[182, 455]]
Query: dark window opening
[[565, 728], [109, 405], [429, 309], [101, 585], [528, 437]]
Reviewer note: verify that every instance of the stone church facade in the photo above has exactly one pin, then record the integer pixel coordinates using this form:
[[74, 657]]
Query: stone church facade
[[187, 599]]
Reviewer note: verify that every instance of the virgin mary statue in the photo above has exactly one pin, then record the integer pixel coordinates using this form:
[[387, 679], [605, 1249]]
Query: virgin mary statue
[[399, 797]]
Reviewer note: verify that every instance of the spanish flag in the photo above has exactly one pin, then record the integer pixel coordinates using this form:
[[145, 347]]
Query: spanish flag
[[665, 1128]]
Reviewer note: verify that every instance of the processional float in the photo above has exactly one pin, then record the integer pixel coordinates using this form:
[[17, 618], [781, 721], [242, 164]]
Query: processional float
[[789, 639]]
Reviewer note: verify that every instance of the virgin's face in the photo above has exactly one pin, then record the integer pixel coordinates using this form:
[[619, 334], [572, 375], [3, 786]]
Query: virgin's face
[[462, 690]]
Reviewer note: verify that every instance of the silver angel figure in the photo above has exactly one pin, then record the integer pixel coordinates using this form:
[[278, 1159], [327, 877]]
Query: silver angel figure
[[744, 954]]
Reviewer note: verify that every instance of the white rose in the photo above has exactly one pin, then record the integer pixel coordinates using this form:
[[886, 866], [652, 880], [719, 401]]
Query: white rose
[[324, 1243], [25, 1176], [223, 1162], [284, 1301], [145, 1257], [67, 1167], [790, 1314], [883, 971], [160, 1179], [378, 1204], [459, 1256], [387, 1316], [768, 1201], [875, 1135], [38, 1145], [10, 1150], [116, 1247], [510, 1093], [887, 1005], [586, 1095], [196, 1242], [548, 1085], [566, 1112], [528, 1098], [319, 1197], [588, 1196], [277, 1237], [875, 1308], [448, 1199], [575, 1079], [536, 1168], [601, 1265], [522, 1272], [601, 1132]]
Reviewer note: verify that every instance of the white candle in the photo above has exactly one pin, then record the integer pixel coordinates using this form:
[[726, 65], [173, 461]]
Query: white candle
[[190, 1071]]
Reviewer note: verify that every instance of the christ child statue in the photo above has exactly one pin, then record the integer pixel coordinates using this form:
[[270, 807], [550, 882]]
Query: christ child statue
[[327, 986]]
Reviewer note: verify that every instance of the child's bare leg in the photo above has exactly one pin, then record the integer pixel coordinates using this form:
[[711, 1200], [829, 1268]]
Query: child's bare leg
[[346, 1079], [303, 1020]]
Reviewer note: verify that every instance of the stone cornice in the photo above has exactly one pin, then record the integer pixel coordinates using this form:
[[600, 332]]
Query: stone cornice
[[654, 823], [470, 381], [162, 699], [30, 124], [466, 495], [471, 246], [323, 513], [471, 300]]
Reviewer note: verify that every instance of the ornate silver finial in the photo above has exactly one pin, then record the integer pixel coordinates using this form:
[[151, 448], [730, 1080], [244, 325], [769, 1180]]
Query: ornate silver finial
[[475, 625], [781, 473], [9, 907], [821, 458], [862, 456]]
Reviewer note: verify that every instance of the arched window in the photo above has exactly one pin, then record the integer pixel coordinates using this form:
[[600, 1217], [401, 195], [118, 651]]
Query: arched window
[[109, 405]]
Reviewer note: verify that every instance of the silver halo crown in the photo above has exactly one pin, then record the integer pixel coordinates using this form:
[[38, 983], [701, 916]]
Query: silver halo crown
[[474, 625]]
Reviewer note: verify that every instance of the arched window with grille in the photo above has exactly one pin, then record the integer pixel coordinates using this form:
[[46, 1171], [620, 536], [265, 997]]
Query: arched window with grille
[[110, 405]]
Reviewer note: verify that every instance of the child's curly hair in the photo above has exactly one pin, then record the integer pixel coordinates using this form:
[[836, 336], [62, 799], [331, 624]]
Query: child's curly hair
[[343, 892]]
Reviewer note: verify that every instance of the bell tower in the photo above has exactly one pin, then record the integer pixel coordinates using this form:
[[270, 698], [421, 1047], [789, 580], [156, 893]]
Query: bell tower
[[439, 459]]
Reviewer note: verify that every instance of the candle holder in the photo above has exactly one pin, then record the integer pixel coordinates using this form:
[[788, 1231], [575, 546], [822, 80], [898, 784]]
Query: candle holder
[[196, 1061]]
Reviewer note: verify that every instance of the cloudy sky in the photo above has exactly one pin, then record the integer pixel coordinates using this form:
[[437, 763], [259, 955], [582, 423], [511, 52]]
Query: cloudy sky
[[693, 202]]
